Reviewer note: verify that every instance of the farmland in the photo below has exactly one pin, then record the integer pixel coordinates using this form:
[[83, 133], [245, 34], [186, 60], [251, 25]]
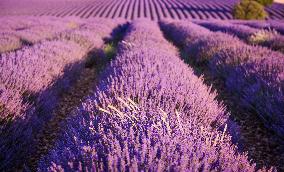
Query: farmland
[[142, 85], [131, 9]]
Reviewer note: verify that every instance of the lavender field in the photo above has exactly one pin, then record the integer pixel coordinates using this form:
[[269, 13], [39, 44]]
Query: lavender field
[[131, 9], [140, 85]]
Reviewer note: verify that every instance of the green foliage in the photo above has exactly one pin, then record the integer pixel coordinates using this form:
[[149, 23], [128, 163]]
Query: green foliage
[[265, 2], [110, 50], [249, 10], [98, 57]]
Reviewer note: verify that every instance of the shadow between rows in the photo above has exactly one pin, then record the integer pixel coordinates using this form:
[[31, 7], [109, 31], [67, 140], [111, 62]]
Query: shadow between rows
[[95, 62], [22, 135]]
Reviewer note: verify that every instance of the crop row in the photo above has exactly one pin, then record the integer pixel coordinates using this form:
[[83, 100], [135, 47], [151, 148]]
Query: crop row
[[33, 77], [132, 9], [268, 38], [278, 25], [252, 74], [149, 112], [18, 32]]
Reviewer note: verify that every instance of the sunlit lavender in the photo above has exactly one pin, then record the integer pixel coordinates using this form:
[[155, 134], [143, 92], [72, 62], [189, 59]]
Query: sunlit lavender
[[141, 85]]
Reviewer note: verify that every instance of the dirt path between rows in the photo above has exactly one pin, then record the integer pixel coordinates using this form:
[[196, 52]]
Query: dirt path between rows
[[95, 62], [69, 101], [263, 146]]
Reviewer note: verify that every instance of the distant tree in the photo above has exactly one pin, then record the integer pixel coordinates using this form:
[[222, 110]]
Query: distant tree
[[265, 2], [249, 10]]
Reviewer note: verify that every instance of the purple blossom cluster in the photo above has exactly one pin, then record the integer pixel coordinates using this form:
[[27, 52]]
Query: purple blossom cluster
[[278, 25], [253, 23], [9, 42], [148, 113], [15, 23], [31, 80], [17, 32], [265, 37], [267, 25], [253, 75]]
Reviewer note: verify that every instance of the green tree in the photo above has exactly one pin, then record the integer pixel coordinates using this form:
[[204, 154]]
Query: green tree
[[249, 10], [265, 2]]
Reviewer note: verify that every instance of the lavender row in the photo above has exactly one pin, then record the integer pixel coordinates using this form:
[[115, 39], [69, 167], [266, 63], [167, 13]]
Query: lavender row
[[130, 9], [253, 75], [17, 32], [149, 112], [278, 25], [32, 79], [269, 38], [270, 24], [46, 53], [15, 23]]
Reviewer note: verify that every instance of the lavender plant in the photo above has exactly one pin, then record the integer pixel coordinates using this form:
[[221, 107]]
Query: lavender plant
[[9, 42], [269, 24], [252, 74], [269, 38], [19, 31], [31, 81], [149, 112], [277, 25]]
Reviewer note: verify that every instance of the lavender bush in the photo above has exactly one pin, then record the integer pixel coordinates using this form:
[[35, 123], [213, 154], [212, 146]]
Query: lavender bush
[[19, 31], [204, 48], [252, 74], [269, 24], [31, 81], [253, 23], [278, 25], [9, 42], [18, 23], [269, 38], [257, 78], [149, 112]]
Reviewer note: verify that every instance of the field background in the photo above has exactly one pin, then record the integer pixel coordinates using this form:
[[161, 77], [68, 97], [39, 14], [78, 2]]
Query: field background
[[130, 9]]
